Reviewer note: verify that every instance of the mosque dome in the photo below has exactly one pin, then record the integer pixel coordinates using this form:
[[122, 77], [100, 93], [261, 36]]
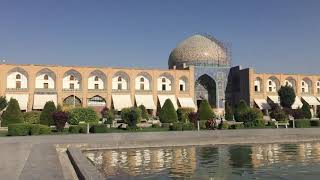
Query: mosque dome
[[199, 49]]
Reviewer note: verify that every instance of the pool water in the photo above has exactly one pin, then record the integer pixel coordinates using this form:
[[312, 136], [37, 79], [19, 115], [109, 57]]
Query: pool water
[[263, 161]]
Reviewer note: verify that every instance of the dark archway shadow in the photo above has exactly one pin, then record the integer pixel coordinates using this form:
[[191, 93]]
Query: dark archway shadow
[[206, 88]]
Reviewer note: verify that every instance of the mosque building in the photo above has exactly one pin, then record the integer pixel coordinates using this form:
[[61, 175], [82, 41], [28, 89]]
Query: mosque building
[[200, 67]]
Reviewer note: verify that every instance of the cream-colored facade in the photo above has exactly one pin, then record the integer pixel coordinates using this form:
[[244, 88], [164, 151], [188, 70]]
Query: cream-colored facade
[[33, 85], [261, 89]]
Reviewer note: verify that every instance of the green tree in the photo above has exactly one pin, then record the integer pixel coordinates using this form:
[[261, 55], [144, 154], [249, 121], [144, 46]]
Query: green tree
[[3, 103], [228, 112], [82, 115], [59, 108], [183, 114], [12, 114], [205, 111], [287, 96], [241, 108], [144, 112], [306, 111], [167, 113], [252, 117], [278, 114], [132, 116], [46, 114]]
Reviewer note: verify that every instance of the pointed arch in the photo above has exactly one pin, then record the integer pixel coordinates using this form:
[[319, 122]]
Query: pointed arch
[[72, 79], [143, 81], [45, 79], [120, 81], [97, 80], [17, 78]]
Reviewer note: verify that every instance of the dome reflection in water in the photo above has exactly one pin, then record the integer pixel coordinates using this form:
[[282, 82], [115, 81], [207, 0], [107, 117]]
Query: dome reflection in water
[[264, 161]]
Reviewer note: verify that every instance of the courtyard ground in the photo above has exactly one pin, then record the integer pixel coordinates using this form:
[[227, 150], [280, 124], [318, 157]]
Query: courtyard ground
[[36, 157]]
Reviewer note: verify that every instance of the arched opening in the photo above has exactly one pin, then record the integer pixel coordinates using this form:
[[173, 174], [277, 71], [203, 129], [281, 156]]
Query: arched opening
[[183, 84], [120, 81], [72, 80], [206, 88], [258, 85], [306, 86], [97, 103], [72, 101], [97, 80], [318, 87], [17, 78], [143, 81], [273, 84], [165, 82], [45, 79], [291, 82]]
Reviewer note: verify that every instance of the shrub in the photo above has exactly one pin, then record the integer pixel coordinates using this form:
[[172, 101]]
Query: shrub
[[60, 118], [46, 114], [99, 128], [34, 129], [271, 123], [205, 111], [278, 114], [236, 126], [176, 127], [202, 124], [109, 115], [3, 103], [32, 117], [19, 129], [59, 107], [183, 114], [74, 129], [287, 96], [193, 117], [156, 126], [301, 123], [131, 116], [13, 114], [82, 115], [44, 129], [167, 113], [306, 111], [315, 123], [297, 113], [144, 112], [240, 109], [228, 112], [165, 125], [252, 118], [223, 126], [187, 127]]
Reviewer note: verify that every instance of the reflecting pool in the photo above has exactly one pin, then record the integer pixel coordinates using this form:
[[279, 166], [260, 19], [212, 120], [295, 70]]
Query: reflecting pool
[[263, 161]]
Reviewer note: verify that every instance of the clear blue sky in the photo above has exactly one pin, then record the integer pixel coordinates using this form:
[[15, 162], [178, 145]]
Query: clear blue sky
[[269, 35]]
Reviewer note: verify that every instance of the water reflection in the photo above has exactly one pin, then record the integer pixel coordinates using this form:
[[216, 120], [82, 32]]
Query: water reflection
[[263, 161]]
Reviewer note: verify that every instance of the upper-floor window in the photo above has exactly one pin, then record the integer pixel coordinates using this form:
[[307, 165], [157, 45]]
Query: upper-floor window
[[71, 78], [45, 77], [18, 84], [71, 86], [96, 86], [119, 79], [45, 85], [18, 76], [96, 78], [141, 79], [163, 80]]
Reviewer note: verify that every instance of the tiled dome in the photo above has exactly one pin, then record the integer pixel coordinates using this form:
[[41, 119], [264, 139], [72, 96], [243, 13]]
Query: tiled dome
[[199, 49]]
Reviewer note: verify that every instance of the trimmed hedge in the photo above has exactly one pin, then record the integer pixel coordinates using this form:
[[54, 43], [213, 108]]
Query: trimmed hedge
[[205, 111], [224, 126], [315, 123], [20, 129], [24, 129], [165, 125], [99, 128], [236, 126], [32, 117], [181, 127], [81, 128], [301, 123]]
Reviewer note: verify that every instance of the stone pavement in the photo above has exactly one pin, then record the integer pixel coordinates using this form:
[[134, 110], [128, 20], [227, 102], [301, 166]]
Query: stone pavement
[[35, 157]]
